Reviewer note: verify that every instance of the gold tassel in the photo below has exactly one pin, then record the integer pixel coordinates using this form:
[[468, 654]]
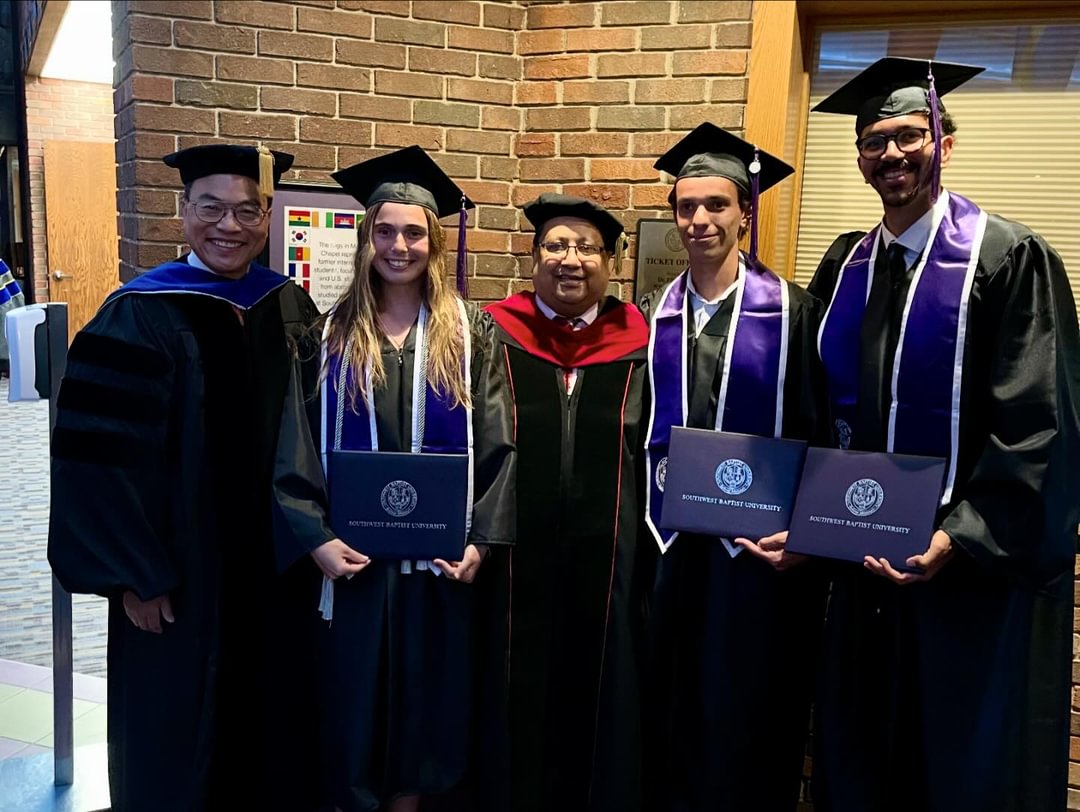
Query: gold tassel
[[621, 244], [266, 173]]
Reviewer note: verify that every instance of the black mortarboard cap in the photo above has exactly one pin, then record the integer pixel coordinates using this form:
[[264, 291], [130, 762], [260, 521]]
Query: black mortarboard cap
[[709, 151], [549, 206], [231, 159], [406, 176], [895, 86]]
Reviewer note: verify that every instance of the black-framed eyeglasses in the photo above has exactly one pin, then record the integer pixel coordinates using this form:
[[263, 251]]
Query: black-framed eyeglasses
[[246, 214], [560, 249], [909, 139]]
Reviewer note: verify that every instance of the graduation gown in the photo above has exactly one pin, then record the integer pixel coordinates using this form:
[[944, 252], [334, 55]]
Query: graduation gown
[[161, 472], [732, 642], [573, 601], [954, 694], [398, 665]]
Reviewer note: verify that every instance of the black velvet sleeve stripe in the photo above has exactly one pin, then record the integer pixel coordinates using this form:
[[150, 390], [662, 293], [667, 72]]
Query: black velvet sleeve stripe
[[100, 448], [113, 353], [109, 401]]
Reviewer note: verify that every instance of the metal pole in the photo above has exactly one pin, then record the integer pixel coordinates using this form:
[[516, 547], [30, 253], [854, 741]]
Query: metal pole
[[56, 324]]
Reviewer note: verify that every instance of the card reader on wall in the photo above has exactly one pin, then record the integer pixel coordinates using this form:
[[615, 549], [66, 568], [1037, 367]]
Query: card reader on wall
[[37, 346]]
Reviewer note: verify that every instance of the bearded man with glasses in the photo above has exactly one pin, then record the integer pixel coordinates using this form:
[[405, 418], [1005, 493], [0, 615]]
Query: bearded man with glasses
[[162, 459], [952, 333], [576, 361]]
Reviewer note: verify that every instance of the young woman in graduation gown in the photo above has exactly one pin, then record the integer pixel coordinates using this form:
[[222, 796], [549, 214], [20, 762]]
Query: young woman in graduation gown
[[398, 660]]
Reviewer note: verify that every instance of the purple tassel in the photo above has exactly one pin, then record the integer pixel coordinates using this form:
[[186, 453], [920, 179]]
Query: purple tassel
[[755, 190], [462, 259], [935, 126]]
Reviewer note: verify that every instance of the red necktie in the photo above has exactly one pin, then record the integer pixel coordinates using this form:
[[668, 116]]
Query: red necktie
[[567, 324]]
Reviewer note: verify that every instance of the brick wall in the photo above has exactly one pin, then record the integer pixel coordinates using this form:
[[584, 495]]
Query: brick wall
[[513, 98], [58, 110]]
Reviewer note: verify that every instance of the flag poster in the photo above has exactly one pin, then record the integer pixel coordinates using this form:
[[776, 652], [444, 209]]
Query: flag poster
[[314, 243]]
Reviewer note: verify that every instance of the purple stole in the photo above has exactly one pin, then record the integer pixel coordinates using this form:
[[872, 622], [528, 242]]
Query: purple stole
[[924, 409], [751, 399], [437, 428]]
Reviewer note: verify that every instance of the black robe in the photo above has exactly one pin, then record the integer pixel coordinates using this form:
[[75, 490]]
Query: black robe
[[398, 665], [574, 603], [161, 474], [733, 643], [954, 694]]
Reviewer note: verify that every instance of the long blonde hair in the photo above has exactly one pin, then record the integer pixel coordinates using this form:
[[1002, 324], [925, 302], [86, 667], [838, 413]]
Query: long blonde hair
[[354, 323]]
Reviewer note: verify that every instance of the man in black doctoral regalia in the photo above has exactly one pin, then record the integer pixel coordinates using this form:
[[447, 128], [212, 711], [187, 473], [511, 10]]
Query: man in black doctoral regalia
[[950, 333], [734, 625], [162, 455], [576, 361]]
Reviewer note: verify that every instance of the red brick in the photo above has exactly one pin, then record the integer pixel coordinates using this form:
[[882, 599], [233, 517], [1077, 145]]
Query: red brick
[[216, 94], [410, 85], [151, 88], [675, 37], [335, 131], [558, 119], [733, 35], [494, 265], [630, 118], [355, 105], [458, 11], [557, 67], [309, 156], [709, 64], [593, 144], [211, 37], [149, 255], [160, 229], [260, 15], [527, 93], [150, 201], [195, 9], [455, 165], [669, 91], [711, 11], [478, 142], [611, 196], [499, 67], [151, 30], [500, 118], [571, 15], [172, 119], [451, 114], [440, 60], [518, 285], [594, 92], [339, 23], [727, 116], [370, 53], [151, 173], [612, 39], [520, 195], [1074, 748], [148, 59], [535, 145], [250, 125], [498, 168], [498, 15], [483, 191], [255, 69], [481, 39], [479, 91], [334, 77], [397, 8], [493, 241], [313, 102], [410, 32], [653, 144], [650, 197], [404, 135], [559, 169], [632, 65], [347, 156], [498, 218], [310, 47], [487, 290], [523, 243], [144, 145], [726, 90], [623, 169], [541, 42], [642, 12]]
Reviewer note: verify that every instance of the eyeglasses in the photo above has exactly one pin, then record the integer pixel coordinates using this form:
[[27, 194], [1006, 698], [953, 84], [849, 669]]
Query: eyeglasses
[[909, 139], [560, 249], [246, 214]]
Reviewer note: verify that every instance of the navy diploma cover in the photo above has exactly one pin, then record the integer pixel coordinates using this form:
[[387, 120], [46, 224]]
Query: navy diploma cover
[[399, 506], [852, 504], [719, 483]]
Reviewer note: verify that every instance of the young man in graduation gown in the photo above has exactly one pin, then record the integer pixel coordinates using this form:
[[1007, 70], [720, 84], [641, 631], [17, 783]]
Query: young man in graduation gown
[[733, 622], [576, 362], [161, 462], [950, 332]]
